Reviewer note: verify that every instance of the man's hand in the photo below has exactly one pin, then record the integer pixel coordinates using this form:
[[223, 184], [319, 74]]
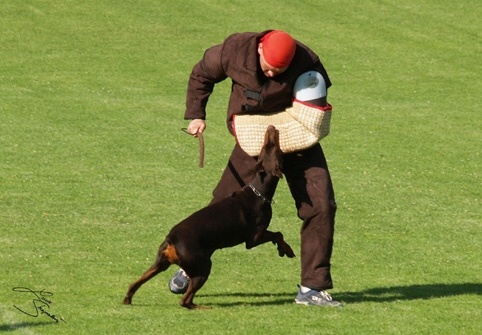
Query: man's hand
[[196, 126]]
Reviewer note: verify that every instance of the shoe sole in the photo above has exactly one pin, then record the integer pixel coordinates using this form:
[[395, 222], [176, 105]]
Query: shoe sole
[[306, 303]]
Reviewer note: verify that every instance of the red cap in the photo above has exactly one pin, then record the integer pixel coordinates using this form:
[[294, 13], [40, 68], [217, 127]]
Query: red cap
[[278, 48]]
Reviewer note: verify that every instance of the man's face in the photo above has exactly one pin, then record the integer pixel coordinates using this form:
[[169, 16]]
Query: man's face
[[268, 70]]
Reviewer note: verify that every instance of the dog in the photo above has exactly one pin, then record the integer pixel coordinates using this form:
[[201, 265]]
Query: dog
[[244, 216]]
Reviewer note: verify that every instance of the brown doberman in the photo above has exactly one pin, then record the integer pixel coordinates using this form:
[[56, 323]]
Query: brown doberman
[[242, 217]]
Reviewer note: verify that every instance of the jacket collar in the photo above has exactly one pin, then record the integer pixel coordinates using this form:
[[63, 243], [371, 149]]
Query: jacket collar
[[252, 57]]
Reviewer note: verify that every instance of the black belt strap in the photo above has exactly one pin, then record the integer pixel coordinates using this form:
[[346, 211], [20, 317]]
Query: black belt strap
[[253, 95], [250, 109]]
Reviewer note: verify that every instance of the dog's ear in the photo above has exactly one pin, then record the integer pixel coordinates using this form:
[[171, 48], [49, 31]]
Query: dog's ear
[[278, 173], [259, 163], [276, 138], [259, 167]]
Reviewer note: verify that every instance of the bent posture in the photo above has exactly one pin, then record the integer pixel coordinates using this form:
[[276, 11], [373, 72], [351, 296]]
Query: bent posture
[[264, 69], [242, 217]]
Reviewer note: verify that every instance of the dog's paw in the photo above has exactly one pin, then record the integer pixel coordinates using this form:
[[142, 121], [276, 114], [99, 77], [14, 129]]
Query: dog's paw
[[285, 249]]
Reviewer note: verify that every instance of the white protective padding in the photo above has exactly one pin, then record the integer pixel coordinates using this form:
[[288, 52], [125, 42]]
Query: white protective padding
[[309, 86]]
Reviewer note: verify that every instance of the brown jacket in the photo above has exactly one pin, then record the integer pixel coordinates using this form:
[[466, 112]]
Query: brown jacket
[[237, 58]]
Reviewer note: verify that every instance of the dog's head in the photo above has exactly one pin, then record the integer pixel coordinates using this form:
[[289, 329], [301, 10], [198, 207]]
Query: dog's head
[[270, 157]]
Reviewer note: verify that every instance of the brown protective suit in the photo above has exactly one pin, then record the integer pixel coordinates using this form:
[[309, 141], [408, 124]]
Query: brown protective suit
[[306, 171]]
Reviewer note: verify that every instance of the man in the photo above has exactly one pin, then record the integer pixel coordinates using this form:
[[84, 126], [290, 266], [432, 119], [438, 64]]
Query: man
[[263, 68]]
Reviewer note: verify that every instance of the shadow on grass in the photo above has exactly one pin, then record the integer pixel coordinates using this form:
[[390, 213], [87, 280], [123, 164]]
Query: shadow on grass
[[22, 325], [265, 299], [378, 294], [411, 292]]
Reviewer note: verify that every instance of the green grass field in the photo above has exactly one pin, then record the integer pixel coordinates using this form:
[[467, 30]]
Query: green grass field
[[94, 167]]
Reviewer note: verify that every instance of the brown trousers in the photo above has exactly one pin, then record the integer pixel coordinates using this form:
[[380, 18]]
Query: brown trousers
[[309, 181]]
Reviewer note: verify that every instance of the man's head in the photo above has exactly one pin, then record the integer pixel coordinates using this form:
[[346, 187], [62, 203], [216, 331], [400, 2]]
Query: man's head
[[276, 51]]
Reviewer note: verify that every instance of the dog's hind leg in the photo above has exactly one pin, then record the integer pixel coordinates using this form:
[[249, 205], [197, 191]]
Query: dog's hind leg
[[197, 277], [165, 257]]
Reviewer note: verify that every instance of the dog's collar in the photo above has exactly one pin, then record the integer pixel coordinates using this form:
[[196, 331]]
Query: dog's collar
[[268, 201]]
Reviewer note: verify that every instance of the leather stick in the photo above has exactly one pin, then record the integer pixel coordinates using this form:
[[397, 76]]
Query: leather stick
[[201, 149]]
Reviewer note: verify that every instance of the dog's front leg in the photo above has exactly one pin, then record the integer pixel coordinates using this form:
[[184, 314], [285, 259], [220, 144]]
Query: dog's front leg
[[263, 236]]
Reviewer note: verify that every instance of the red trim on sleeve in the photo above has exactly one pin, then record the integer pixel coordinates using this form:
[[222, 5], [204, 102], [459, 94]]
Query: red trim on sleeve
[[323, 108]]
